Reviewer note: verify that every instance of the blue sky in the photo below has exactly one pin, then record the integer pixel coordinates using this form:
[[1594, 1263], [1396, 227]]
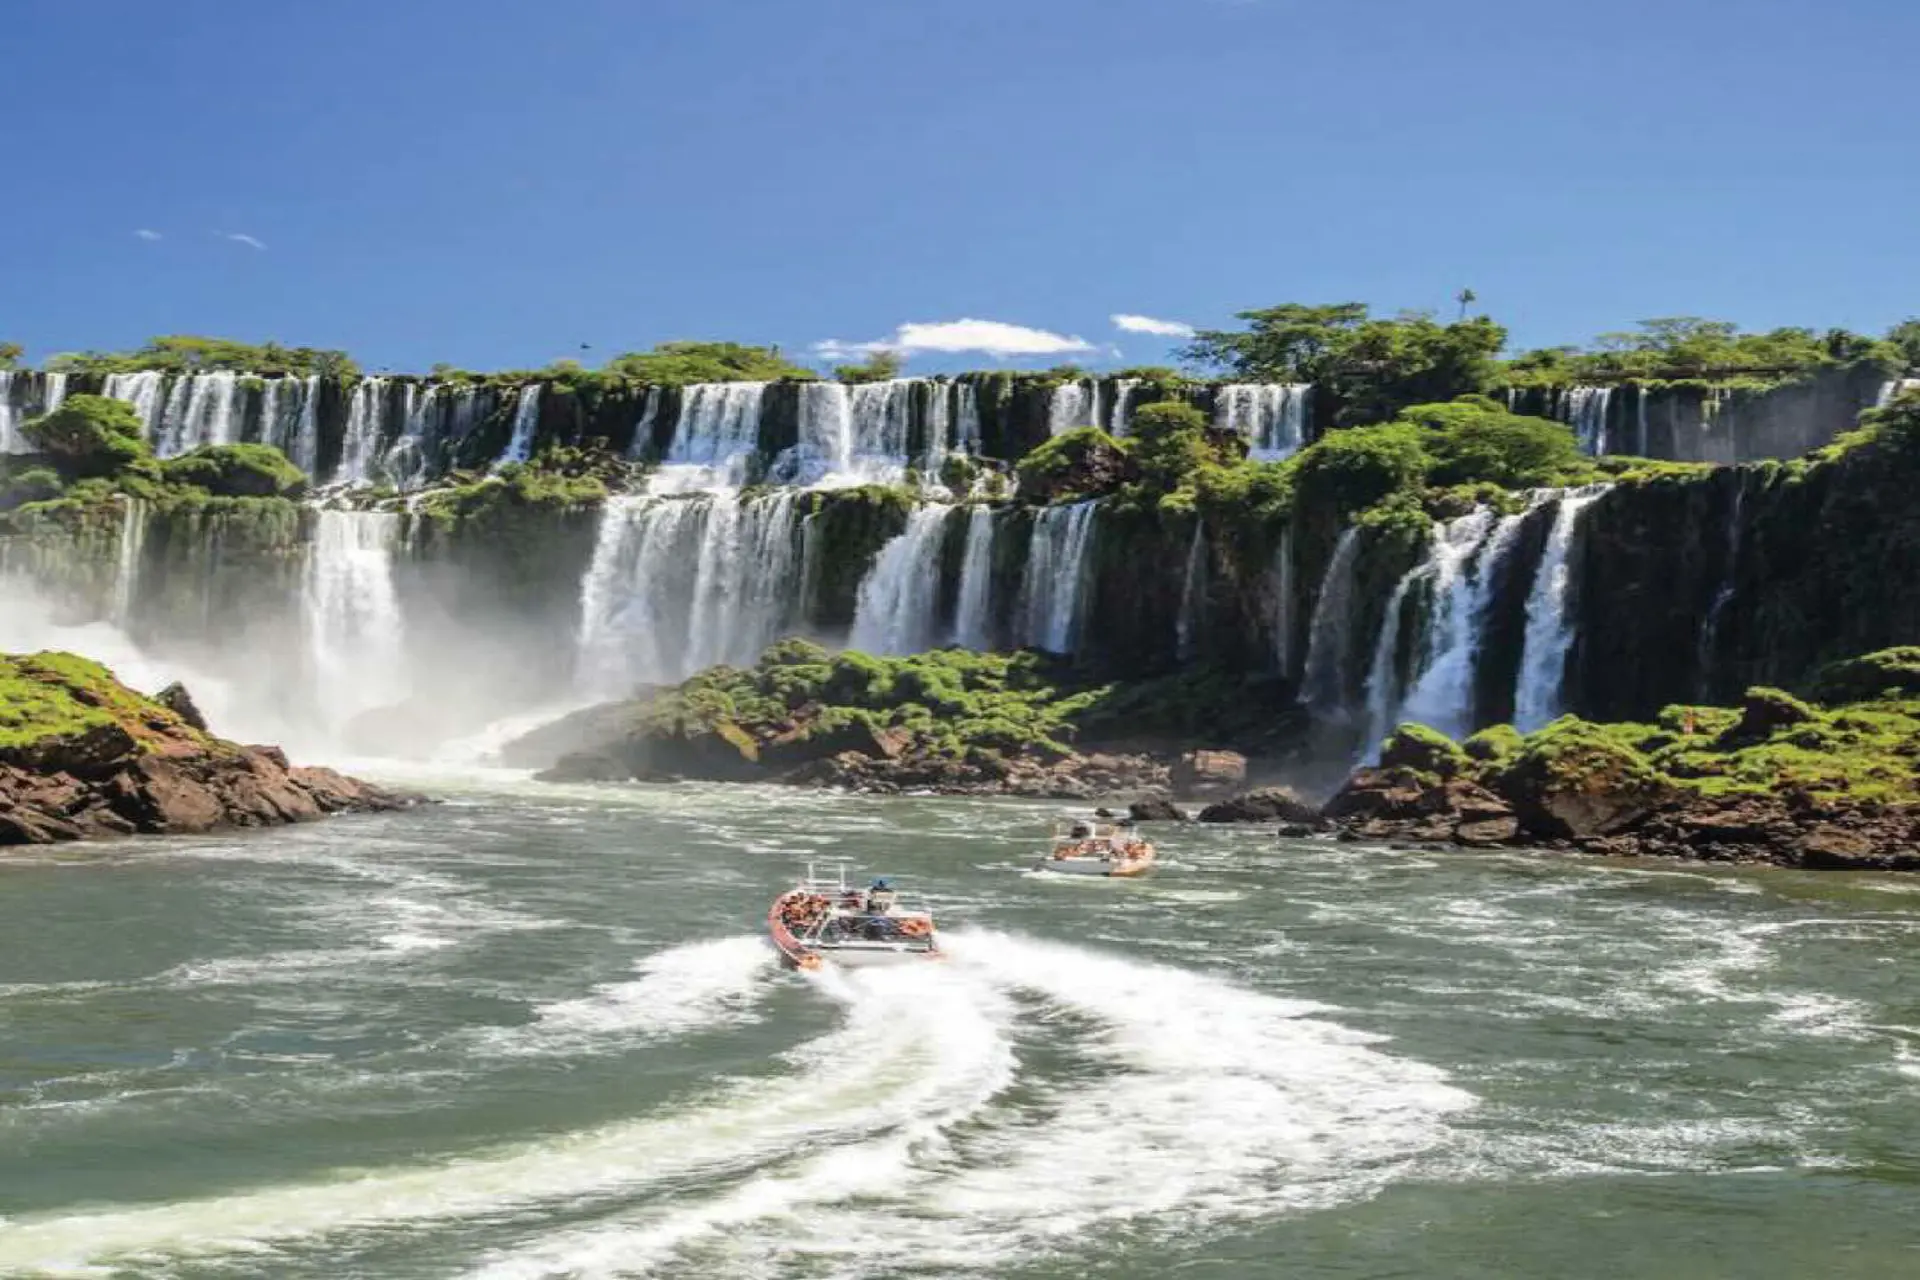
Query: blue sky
[[493, 183]]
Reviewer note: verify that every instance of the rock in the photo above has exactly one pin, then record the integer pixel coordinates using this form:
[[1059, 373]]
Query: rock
[[1575, 787], [1266, 804], [1762, 711], [588, 730], [1295, 831], [1424, 750], [1377, 793], [586, 766], [1488, 831], [1209, 772], [1158, 810], [176, 699], [1831, 848]]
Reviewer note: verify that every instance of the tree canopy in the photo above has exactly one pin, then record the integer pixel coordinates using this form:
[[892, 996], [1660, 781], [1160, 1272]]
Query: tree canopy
[[187, 353], [1673, 348], [89, 436], [1373, 365], [881, 366], [680, 363], [10, 353]]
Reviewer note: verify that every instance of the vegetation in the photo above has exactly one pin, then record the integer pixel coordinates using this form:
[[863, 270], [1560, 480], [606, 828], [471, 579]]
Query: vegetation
[[881, 366], [183, 353], [237, 471], [1688, 348], [1083, 462], [559, 478], [1859, 740], [57, 697], [89, 436], [1373, 366], [10, 353], [676, 364]]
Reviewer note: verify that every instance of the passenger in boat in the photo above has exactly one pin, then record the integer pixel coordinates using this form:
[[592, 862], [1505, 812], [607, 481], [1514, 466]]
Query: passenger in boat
[[850, 900]]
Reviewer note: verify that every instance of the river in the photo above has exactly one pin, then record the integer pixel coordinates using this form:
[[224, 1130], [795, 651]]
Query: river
[[535, 1032]]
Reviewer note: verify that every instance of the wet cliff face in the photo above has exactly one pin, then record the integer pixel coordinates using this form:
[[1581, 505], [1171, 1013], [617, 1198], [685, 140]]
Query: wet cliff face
[[1693, 588]]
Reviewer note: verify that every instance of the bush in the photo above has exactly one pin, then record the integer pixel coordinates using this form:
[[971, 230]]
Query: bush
[[237, 471], [89, 436], [1474, 441], [33, 484], [1348, 471], [1082, 463], [1870, 676]]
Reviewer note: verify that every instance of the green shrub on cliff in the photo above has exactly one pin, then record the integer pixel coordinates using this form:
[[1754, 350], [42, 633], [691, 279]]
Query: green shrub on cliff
[[1476, 441], [190, 353], [1688, 348], [1085, 462], [1872, 675], [89, 436], [676, 364], [237, 471], [29, 484]]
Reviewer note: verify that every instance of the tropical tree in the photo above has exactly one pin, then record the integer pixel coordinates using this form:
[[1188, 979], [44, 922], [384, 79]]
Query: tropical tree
[[880, 366], [680, 363], [89, 436]]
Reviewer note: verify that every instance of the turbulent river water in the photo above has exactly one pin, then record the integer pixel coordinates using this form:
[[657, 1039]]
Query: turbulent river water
[[535, 1032]]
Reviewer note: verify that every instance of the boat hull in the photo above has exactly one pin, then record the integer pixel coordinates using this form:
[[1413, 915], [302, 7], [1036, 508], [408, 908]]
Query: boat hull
[[1096, 867]]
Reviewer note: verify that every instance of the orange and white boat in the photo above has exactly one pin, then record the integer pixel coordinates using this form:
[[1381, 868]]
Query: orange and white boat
[[1089, 848], [822, 920]]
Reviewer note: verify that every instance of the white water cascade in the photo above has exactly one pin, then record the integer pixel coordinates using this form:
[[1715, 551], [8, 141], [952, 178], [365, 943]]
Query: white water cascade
[[142, 391], [10, 417], [1124, 390], [966, 418], [526, 422], [1055, 583], [1458, 577], [643, 429], [366, 409], [1586, 412], [1894, 389], [355, 635], [1549, 635], [1193, 590], [1073, 404], [55, 393], [973, 612], [1272, 416], [678, 584], [897, 611], [1330, 634], [715, 439], [199, 411]]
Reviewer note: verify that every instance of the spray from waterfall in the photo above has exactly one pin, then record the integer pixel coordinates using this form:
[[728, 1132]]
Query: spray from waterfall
[[1192, 595], [356, 647]]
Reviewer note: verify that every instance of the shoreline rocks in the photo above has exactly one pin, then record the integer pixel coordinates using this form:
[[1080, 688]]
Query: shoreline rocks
[[83, 757]]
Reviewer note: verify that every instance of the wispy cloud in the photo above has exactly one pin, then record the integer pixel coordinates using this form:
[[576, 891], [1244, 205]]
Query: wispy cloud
[[241, 237], [1147, 324], [988, 337], [146, 233]]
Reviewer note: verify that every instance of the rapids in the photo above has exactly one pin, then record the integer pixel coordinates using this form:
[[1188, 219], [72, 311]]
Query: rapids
[[534, 1032]]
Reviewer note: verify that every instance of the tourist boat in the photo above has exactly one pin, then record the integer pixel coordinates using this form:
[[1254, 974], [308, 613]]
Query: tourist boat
[[1091, 848], [824, 919]]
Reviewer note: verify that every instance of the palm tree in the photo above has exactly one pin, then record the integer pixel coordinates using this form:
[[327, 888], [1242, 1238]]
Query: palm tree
[[1464, 298]]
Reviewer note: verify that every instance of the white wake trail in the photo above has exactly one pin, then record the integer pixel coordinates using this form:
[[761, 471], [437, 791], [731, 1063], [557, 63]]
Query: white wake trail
[[695, 987]]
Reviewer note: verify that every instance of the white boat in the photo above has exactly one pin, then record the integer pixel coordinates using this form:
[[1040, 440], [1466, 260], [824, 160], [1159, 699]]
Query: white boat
[[1089, 848], [823, 920]]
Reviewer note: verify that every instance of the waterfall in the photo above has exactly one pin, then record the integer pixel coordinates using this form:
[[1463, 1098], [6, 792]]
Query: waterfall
[[861, 434], [973, 614], [899, 596], [10, 440], [199, 412], [526, 422], [1282, 574], [939, 429], [1549, 634], [355, 637], [643, 429], [1586, 409], [1055, 577], [1894, 389], [678, 584], [1330, 633], [1272, 416], [1192, 594], [1383, 673], [714, 440], [1640, 422], [1458, 576], [129, 559], [366, 412], [55, 393], [967, 417], [1075, 403], [1124, 389], [142, 391], [1708, 651], [289, 418]]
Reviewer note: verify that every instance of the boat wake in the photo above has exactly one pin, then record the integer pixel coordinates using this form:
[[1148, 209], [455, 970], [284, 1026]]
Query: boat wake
[[1025, 1099]]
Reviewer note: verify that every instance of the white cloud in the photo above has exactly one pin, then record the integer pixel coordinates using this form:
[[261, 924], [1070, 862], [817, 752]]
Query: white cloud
[[144, 233], [241, 237], [949, 337], [1147, 324]]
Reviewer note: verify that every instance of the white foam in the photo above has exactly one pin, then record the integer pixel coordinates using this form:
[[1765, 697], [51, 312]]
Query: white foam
[[683, 989]]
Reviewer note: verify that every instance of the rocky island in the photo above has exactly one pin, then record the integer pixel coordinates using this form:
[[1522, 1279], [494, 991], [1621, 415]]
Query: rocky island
[[82, 757]]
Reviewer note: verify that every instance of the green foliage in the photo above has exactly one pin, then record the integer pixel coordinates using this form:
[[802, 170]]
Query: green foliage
[[29, 484], [1873, 675], [1171, 445], [880, 366], [1474, 440], [1082, 463], [515, 488], [1348, 471], [1678, 348], [1905, 338], [185, 353], [89, 436], [1374, 365], [680, 363], [1495, 746], [10, 353], [50, 697], [237, 471]]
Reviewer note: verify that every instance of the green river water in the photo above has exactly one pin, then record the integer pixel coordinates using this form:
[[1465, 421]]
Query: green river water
[[536, 1032]]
